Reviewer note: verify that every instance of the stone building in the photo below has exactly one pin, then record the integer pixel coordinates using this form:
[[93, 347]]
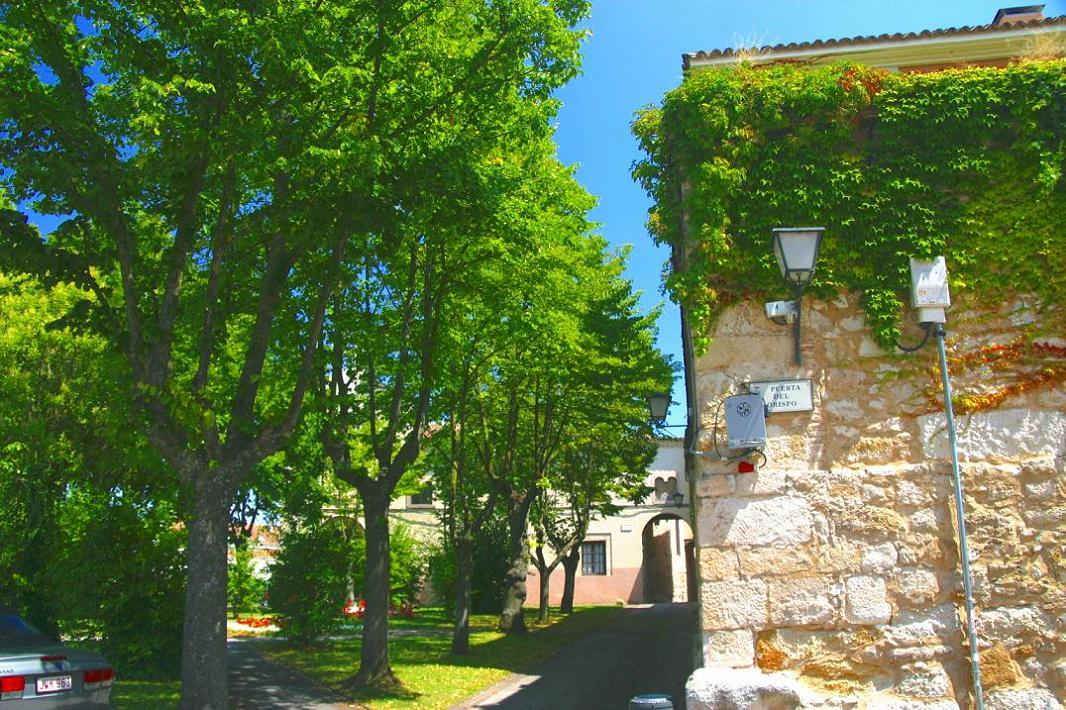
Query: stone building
[[829, 576]]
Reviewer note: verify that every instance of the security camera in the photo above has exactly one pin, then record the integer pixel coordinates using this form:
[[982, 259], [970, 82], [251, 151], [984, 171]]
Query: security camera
[[781, 312]]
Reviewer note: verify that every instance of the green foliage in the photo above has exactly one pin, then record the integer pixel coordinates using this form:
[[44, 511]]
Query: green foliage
[[312, 576], [409, 559], [487, 578], [967, 163], [89, 536], [120, 575], [244, 589]]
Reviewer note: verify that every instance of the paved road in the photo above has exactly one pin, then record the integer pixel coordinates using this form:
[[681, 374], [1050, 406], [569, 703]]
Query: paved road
[[257, 682], [648, 650]]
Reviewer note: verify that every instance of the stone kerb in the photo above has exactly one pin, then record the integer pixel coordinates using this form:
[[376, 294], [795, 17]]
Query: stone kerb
[[829, 577]]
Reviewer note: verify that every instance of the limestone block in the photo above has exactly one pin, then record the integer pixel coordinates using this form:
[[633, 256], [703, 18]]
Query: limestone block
[[715, 485], [789, 452], [912, 494], [853, 323], [927, 520], [877, 449], [879, 558], [717, 564], [894, 702], [1013, 625], [868, 348], [874, 494], [733, 604], [763, 481], [925, 626], [735, 649], [917, 585], [769, 561], [781, 521], [802, 601], [741, 689], [1053, 517], [1042, 489], [866, 600], [846, 409], [997, 435], [925, 680], [1022, 699]]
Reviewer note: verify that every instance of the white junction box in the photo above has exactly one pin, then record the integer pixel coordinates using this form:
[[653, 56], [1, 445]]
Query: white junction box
[[745, 421], [929, 289]]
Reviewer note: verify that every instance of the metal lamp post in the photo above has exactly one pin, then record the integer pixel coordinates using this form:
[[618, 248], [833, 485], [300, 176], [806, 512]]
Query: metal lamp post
[[929, 294], [796, 250]]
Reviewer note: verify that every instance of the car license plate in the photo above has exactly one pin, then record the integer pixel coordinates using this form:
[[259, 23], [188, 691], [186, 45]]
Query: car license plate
[[54, 684]]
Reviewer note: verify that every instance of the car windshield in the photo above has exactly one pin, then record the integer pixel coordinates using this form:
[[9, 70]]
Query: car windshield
[[16, 632]]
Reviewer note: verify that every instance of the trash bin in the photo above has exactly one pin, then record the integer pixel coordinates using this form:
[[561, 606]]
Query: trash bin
[[655, 701]]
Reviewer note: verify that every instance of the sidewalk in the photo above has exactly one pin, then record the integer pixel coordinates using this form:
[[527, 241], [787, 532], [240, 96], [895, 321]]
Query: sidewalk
[[257, 682]]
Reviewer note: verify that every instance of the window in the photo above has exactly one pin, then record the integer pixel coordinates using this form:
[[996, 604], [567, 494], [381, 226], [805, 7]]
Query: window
[[594, 557], [424, 497]]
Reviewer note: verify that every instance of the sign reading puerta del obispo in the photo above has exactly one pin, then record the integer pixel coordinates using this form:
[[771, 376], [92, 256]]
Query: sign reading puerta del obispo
[[785, 395]]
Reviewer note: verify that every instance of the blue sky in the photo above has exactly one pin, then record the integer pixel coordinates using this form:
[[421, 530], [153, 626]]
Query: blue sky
[[634, 56]]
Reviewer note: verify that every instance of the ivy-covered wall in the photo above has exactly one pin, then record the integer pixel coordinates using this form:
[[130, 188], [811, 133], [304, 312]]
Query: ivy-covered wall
[[967, 163]]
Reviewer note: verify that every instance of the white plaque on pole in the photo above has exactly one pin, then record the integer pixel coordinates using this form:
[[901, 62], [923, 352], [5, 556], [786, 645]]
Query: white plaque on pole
[[785, 395]]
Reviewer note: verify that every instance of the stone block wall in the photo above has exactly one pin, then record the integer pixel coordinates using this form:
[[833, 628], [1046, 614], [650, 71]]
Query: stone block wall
[[830, 576]]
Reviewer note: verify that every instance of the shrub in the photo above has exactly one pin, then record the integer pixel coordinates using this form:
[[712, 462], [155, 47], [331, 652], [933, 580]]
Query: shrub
[[489, 573], [244, 589], [319, 562], [409, 562], [120, 579]]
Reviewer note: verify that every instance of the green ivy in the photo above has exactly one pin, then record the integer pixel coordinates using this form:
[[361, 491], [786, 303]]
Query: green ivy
[[966, 162]]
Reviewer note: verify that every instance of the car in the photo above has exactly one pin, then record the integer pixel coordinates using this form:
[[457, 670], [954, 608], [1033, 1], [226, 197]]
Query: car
[[39, 673]]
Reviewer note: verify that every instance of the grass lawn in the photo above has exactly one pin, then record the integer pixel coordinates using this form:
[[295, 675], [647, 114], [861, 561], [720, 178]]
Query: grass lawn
[[146, 694], [432, 677]]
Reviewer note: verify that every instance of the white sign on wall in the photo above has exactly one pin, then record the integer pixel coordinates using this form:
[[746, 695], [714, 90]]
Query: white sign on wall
[[785, 395]]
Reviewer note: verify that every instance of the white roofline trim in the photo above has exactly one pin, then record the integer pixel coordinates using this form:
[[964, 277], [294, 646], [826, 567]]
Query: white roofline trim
[[695, 61]]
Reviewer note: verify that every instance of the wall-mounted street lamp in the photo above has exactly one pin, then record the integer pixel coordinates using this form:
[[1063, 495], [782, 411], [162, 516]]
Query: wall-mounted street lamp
[[658, 404], [677, 499], [796, 250]]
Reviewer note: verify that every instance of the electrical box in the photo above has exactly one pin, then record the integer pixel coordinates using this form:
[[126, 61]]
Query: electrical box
[[929, 289], [781, 312], [745, 421]]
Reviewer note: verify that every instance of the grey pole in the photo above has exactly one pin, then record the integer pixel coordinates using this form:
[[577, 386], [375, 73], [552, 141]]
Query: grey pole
[[964, 548]]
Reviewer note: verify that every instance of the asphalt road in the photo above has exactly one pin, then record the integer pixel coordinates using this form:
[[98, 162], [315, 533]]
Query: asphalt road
[[647, 650]]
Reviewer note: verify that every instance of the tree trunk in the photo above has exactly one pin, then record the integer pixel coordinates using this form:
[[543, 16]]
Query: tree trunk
[[203, 657], [374, 667], [545, 587], [570, 562], [463, 580], [512, 619]]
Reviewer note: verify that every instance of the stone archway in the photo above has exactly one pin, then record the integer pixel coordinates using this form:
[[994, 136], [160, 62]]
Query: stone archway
[[668, 565]]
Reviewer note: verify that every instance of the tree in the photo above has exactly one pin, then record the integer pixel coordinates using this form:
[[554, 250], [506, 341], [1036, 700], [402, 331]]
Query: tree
[[215, 162]]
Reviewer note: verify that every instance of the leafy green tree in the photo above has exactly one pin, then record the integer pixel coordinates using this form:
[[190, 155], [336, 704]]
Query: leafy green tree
[[214, 162], [89, 535]]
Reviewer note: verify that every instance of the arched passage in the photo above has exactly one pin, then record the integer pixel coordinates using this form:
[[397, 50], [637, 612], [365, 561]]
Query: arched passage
[[668, 564]]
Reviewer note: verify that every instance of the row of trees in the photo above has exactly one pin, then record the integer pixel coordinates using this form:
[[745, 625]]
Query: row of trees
[[334, 231]]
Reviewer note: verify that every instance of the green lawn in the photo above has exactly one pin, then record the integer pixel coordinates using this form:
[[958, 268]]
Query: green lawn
[[146, 694], [432, 677]]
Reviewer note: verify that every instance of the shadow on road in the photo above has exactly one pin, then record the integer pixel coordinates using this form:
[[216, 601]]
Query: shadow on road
[[645, 650]]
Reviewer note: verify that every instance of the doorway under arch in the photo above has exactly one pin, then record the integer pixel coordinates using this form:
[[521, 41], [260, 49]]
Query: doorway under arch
[[668, 567]]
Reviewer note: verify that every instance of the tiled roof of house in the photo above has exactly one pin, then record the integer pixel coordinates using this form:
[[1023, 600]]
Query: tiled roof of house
[[725, 54]]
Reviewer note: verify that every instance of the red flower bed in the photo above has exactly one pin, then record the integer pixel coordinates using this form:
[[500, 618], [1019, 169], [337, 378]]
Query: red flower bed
[[256, 623]]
